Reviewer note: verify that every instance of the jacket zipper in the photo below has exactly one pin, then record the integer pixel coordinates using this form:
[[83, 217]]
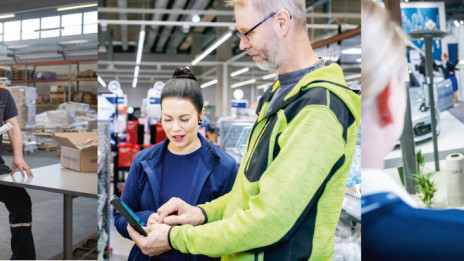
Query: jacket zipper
[[255, 144]]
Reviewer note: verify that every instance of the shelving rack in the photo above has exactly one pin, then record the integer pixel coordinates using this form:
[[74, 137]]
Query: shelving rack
[[70, 79]]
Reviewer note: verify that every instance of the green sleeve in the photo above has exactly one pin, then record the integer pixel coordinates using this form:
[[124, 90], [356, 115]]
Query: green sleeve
[[215, 208], [310, 146]]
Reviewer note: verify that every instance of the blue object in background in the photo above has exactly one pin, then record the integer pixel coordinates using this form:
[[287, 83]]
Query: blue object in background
[[415, 19]]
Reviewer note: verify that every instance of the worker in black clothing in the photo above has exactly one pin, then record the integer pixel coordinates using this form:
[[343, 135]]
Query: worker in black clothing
[[16, 199]]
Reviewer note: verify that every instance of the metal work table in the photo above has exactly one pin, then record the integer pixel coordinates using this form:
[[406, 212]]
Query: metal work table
[[55, 178]]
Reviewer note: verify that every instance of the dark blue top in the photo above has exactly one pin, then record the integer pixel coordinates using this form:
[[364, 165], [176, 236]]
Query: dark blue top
[[213, 177], [392, 230], [8, 110], [450, 68], [177, 175], [9, 104]]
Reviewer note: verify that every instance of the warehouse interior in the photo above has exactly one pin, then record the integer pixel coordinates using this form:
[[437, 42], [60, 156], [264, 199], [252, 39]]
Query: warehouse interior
[[48, 62]]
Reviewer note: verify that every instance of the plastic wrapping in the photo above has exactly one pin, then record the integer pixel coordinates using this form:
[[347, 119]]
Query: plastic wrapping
[[347, 242]]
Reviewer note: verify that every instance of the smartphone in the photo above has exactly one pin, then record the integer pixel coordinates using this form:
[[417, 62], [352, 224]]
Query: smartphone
[[129, 215]]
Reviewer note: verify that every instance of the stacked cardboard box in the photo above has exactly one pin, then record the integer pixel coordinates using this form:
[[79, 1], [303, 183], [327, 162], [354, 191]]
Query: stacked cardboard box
[[25, 98]]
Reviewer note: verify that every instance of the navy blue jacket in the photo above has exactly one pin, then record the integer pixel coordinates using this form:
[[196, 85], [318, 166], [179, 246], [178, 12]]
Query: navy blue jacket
[[214, 176], [393, 230]]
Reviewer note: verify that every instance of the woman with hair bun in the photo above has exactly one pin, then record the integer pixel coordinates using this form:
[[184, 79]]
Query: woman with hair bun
[[185, 165]]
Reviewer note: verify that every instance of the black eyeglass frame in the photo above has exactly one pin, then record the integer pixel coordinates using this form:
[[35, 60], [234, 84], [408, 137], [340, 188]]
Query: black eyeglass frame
[[244, 35]]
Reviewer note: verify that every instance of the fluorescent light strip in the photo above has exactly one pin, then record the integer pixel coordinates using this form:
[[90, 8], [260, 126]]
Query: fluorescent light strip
[[244, 70], [243, 83], [139, 56], [136, 75], [102, 82], [207, 84], [269, 76], [140, 47], [5, 16], [212, 48], [352, 51], [75, 7]]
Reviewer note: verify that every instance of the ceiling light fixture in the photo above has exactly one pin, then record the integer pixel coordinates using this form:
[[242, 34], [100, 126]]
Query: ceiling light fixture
[[238, 72], [136, 75], [352, 51], [18, 46], [102, 82], [195, 18], [75, 7], [139, 56], [75, 42], [207, 84], [269, 76], [212, 47], [243, 83], [5, 16]]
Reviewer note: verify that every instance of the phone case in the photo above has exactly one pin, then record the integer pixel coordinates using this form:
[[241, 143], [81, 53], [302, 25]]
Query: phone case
[[129, 215]]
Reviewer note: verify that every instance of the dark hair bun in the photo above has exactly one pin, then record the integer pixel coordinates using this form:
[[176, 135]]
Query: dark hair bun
[[184, 73]]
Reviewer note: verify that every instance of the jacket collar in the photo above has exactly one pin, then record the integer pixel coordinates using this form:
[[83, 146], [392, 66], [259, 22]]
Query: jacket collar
[[153, 169]]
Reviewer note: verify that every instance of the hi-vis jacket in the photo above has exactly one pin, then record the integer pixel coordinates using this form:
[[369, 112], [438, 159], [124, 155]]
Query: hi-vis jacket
[[286, 200]]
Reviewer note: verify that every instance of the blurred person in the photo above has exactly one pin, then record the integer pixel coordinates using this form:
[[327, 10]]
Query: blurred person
[[16, 199], [451, 70], [185, 165], [287, 198], [393, 228]]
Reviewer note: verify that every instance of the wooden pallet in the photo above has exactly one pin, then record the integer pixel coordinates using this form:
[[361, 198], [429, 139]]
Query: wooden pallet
[[47, 148]]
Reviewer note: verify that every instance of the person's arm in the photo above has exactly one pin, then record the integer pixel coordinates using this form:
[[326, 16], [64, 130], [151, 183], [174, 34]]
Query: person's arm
[[131, 197], [310, 147], [16, 140]]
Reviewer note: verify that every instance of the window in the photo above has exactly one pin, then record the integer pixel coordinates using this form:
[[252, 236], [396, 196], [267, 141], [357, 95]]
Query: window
[[12, 31], [72, 24], [91, 22], [50, 27], [30, 29], [1, 32]]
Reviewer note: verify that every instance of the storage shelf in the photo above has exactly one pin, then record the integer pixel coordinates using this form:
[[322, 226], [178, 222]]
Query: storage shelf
[[56, 80], [40, 80]]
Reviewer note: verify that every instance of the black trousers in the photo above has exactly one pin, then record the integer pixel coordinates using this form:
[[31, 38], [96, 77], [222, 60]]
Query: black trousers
[[19, 205]]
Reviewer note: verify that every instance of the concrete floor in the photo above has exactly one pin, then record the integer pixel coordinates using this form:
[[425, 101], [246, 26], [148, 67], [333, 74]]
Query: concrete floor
[[47, 215]]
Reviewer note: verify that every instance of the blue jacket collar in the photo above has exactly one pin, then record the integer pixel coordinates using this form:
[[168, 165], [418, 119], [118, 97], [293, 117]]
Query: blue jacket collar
[[153, 168]]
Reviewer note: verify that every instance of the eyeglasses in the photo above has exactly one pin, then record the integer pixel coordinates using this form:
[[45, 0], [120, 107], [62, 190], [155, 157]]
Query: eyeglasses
[[244, 36]]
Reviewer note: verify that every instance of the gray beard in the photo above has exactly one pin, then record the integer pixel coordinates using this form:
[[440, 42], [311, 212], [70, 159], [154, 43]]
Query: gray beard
[[271, 60]]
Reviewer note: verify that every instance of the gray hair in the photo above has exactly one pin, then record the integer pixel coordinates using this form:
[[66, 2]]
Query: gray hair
[[383, 52], [296, 8]]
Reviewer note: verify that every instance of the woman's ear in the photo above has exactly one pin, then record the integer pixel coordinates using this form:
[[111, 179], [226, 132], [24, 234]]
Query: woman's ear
[[201, 115], [383, 106]]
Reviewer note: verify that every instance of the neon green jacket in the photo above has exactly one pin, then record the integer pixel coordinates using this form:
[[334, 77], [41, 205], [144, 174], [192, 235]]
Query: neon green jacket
[[286, 200]]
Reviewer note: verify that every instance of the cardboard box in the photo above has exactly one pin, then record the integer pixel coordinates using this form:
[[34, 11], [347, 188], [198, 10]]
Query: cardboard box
[[74, 155]]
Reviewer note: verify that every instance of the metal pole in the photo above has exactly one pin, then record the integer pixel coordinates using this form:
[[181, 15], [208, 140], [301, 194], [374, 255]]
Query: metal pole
[[408, 150], [428, 36], [429, 76], [67, 231]]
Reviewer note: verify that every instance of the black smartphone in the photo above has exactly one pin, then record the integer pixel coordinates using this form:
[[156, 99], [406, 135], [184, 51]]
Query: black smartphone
[[129, 215]]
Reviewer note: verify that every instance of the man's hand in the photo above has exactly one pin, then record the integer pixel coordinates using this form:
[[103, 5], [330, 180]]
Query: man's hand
[[156, 241], [186, 214], [16, 139], [18, 162], [153, 219]]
